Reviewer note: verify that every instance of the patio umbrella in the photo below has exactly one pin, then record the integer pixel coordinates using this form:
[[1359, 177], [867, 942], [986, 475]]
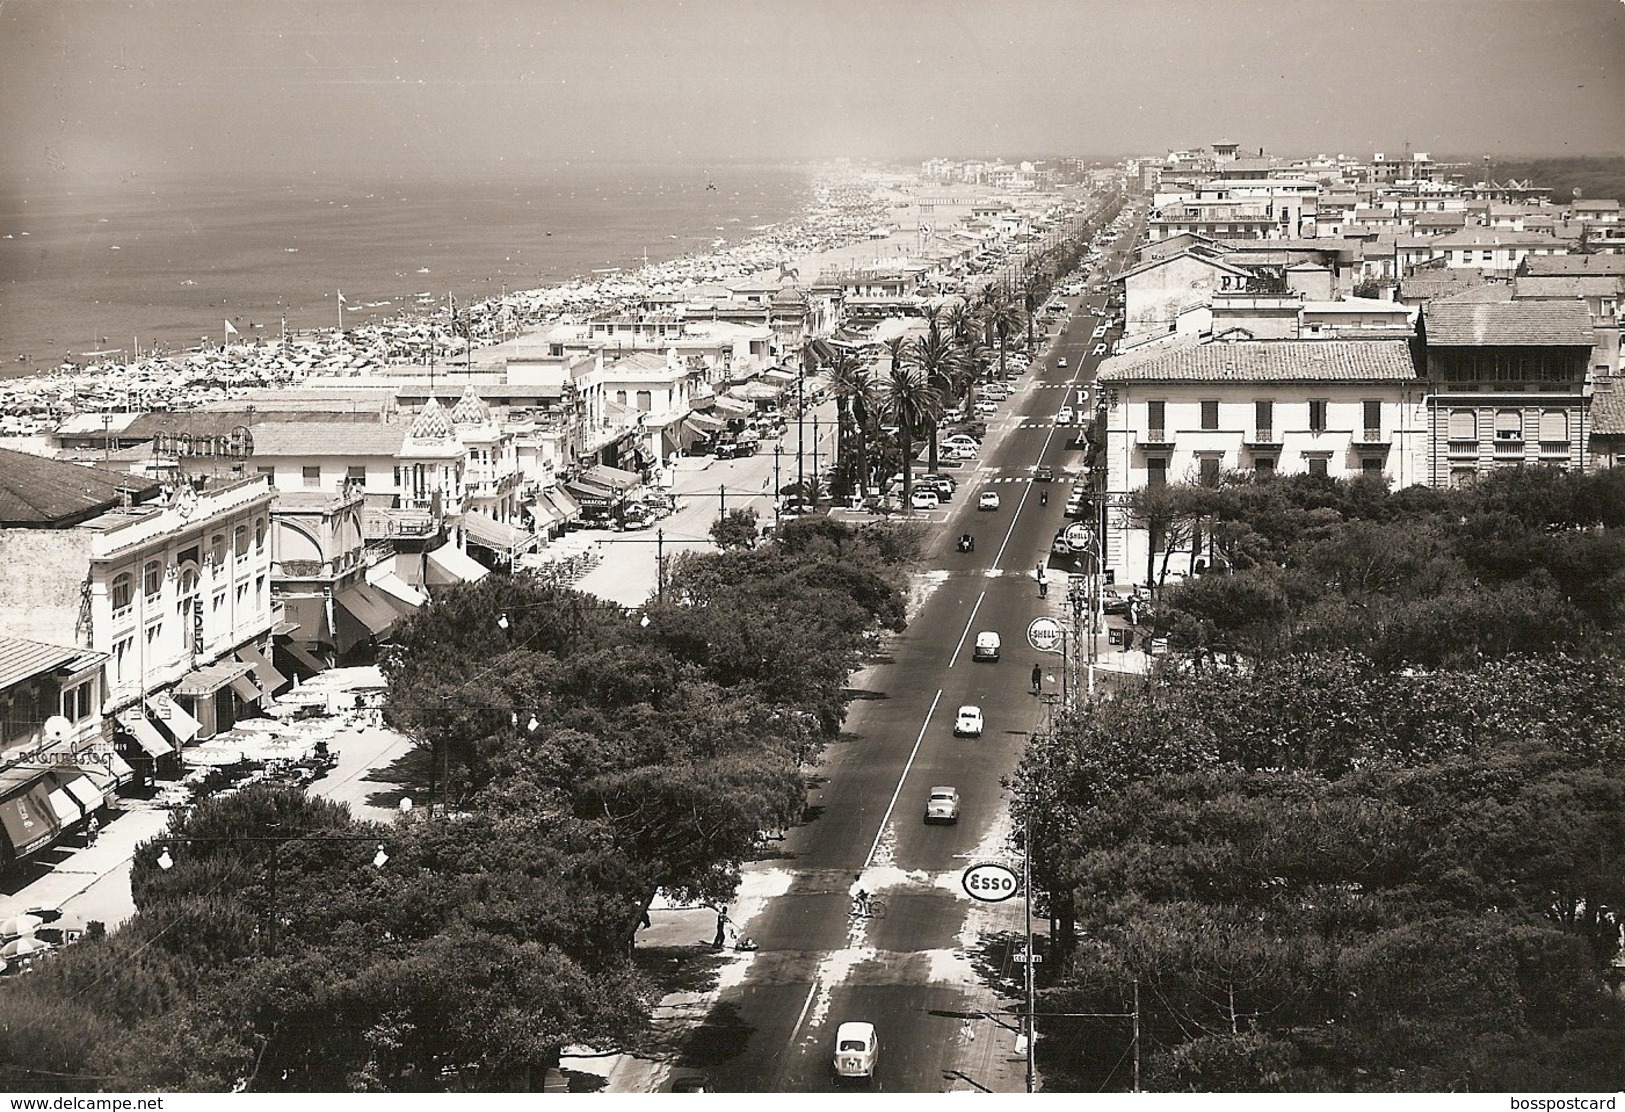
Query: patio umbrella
[[23, 947], [19, 926]]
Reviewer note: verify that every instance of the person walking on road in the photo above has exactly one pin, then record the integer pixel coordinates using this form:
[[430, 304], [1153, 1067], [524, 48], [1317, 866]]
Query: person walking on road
[[1038, 679], [92, 830]]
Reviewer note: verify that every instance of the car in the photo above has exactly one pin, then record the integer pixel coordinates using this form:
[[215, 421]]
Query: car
[[942, 484], [1061, 362], [987, 408], [1100, 349], [989, 500], [968, 722], [942, 805], [958, 453], [924, 500], [987, 646], [1059, 547], [962, 440], [1064, 415], [1044, 473], [689, 1081], [957, 413], [1077, 508], [857, 1050]]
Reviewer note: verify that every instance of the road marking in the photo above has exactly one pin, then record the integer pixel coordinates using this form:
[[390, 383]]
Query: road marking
[[884, 819], [968, 624]]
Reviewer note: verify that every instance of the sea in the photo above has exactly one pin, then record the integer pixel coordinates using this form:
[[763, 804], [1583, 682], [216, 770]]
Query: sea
[[142, 263]]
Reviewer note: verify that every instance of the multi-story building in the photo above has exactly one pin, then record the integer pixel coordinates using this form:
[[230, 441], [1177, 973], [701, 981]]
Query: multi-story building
[[1325, 407]]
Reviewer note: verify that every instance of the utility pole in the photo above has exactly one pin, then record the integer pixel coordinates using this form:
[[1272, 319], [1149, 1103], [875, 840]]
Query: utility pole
[[801, 428], [815, 454], [777, 449], [660, 563], [722, 501], [1027, 892]]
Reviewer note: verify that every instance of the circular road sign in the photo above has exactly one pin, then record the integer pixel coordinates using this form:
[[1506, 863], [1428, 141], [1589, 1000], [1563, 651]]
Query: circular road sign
[[990, 882], [1044, 634], [1079, 536]]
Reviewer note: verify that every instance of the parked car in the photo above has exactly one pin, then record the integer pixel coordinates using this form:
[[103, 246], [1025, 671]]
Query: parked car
[[987, 407], [944, 483], [957, 413], [857, 1050], [987, 646], [989, 500], [968, 722], [958, 453], [924, 500], [942, 805]]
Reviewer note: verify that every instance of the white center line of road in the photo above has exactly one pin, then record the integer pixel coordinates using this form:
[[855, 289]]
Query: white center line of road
[[884, 819], [969, 622]]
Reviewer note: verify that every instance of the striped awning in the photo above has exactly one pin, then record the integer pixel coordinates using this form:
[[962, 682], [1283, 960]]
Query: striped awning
[[265, 674], [166, 710], [146, 735]]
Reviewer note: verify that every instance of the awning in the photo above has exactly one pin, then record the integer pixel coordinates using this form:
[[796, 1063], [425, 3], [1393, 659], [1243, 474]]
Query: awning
[[364, 605], [66, 810], [247, 690], [265, 673], [306, 659], [705, 422], [591, 497], [85, 792], [146, 734], [28, 819], [612, 477], [210, 678], [489, 533], [567, 507], [180, 724], [395, 590], [283, 629], [733, 405], [109, 775], [449, 564], [774, 374], [543, 513]]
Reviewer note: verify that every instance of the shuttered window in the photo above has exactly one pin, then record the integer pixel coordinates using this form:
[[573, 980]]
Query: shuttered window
[[1463, 424], [1554, 425], [1154, 415], [1508, 424], [1210, 415]]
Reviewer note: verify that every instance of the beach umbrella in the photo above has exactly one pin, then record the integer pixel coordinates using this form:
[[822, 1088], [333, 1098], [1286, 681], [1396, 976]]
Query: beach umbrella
[[23, 947], [19, 925]]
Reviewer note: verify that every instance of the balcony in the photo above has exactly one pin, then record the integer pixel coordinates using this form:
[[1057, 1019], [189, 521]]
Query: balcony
[[1155, 440], [1372, 440], [1263, 440]]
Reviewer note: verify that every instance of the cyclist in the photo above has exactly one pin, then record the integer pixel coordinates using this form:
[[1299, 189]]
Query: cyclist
[[1038, 679], [860, 903]]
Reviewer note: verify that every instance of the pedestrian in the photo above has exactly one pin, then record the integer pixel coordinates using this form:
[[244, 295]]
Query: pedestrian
[[1038, 678], [92, 830], [647, 922], [722, 928]]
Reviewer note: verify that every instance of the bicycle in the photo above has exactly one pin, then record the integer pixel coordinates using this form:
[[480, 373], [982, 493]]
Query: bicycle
[[876, 909]]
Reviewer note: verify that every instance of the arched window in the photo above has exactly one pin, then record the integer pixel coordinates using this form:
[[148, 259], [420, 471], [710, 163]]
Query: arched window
[[217, 549], [239, 541], [259, 537], [122, 591], [152, 578]]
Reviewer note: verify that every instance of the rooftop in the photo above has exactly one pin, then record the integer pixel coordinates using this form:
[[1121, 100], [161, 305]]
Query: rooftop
[[1268, 361], [36, 491], [1456, 323]]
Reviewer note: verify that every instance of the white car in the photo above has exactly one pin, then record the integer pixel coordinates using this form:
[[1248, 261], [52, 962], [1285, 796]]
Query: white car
[[1100, 349], [958, 453], [1061, 362], [989, 500], [986, 407], [955, 414], [924, 500], [1064, 415], [856, 1050], [987, 646], [968, 723], [943, 805]]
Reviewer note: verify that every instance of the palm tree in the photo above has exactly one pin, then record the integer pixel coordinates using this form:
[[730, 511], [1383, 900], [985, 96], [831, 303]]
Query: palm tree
[[852, 384], [1005, 319], [938, 358], [912, 404]]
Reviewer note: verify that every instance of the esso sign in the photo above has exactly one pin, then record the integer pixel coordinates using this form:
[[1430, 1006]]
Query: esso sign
[[990, 883]]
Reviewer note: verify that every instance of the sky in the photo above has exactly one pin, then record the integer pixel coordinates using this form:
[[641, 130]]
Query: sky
[[98, 89]]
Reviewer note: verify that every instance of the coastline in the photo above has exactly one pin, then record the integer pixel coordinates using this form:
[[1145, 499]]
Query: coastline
[[845, 205]]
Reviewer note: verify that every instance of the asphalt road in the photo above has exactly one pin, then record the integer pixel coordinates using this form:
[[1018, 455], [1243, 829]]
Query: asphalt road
[[930, 971]]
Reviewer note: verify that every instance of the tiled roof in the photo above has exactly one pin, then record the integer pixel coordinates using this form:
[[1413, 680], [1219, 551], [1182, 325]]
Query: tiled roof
[[1568, 285], [36, 491], [325, 438], [1573, 264], [20, 659], [1523, 323], [1268, 361], [1478, 295], [1497, 237], [470, 409], [432, 423], [1608, 410], [1439, 283]]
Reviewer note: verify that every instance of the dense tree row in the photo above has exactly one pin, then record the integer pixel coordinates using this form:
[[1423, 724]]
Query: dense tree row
[[1383, 849], [586, 756]]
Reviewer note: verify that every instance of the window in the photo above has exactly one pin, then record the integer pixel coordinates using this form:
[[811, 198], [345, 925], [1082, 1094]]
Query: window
[[1370, 465], [1264, 419], [121, 591], [1208, 469], [1154, 412], [155, 633], [645, 400], [1264, 467], [260, 530], [1554, 426], [217, 550], [259, 592], [1317, 416], [239, 542], [1317, 465], [1210, 415], [268, 471], [121, 659], [1463, 424], [152, 578], [76, 702], [356, 473], [1508, 425], [242, 595], [1371, 411], [1156, 471], [311, 474]]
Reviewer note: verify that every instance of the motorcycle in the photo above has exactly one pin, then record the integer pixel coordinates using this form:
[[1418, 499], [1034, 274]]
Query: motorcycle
[[1043, 498], [967, 543]]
